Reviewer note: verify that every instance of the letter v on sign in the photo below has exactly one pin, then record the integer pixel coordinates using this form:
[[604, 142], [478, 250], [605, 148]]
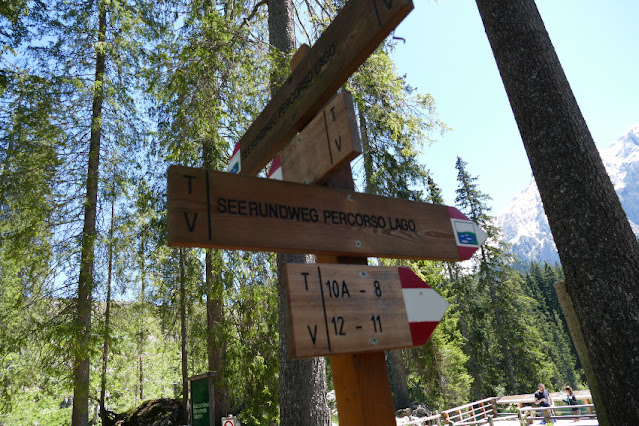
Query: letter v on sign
[[357, 30]]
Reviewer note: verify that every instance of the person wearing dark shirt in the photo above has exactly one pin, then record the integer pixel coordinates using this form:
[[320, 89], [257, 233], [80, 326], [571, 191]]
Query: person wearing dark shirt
[[542, 398], [571, 399]]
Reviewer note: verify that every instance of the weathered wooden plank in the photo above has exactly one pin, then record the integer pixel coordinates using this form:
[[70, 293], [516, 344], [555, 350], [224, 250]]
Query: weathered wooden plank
[[329, 140], [353, 35], [337, 309], [223, 210]]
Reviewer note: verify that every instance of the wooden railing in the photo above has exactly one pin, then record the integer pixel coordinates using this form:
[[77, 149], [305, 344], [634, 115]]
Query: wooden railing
[[527, 414], [476, 413], [486, 411]]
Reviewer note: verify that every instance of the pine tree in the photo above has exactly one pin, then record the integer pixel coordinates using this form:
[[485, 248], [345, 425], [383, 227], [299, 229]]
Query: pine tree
[[300, 401]]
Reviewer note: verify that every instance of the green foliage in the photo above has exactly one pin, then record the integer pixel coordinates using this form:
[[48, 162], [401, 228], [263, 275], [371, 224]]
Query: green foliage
[[395, 123], [204, 73]]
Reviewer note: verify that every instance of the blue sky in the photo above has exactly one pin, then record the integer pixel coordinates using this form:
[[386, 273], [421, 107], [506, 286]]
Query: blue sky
[[447, 54]]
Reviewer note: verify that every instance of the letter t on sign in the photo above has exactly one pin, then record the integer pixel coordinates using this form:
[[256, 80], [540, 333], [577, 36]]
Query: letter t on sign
[[189, 190]]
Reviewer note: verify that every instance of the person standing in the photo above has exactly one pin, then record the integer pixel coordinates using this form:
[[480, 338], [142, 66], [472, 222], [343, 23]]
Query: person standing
[[542, 398], [571, 399]]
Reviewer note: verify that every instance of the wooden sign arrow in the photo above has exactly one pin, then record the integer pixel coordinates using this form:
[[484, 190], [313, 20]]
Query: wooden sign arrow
[[352, 308], [357, 30], [223, 210], [329, 140]]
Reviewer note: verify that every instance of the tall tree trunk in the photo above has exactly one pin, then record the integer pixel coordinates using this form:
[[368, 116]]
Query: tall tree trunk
[[80, 412], [142, 330], [463, 328], [107, 320], [185, 375], [215, 343], [499, 325], [597, 248], [366, 150], [302, 382], [401, 398]]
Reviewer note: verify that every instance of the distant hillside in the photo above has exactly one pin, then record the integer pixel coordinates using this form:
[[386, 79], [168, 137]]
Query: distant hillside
[[524, 222]]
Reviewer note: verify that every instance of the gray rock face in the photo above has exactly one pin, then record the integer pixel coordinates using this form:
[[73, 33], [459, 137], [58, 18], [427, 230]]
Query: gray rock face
[[524, 222]]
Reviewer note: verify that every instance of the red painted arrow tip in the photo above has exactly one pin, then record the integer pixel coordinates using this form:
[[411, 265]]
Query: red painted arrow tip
[[456, 214], [466, 253], [276, 164], [409, 279], [237, 148], [421, 331]]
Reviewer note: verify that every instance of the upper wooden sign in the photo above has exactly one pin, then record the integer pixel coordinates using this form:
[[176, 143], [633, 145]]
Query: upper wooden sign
[[357, 30], [223, 210], [353, 308], [328, 141]]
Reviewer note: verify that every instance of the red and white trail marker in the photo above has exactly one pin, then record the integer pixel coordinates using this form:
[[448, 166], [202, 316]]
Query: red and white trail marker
[[337, 309], [275, 171], [235, 163], [424, 306]]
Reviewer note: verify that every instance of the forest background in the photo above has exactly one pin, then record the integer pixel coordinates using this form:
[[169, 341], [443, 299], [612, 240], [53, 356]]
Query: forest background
[[97, 99]]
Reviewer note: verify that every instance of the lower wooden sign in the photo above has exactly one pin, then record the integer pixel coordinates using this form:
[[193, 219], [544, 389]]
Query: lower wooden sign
[[223, 210], [336, 309]]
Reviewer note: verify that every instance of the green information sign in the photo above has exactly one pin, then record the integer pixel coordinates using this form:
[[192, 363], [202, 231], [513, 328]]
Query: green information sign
[[202, 406]]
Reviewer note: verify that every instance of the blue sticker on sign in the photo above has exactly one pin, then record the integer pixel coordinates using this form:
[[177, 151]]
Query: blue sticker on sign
[[235, 168], [467, 238]]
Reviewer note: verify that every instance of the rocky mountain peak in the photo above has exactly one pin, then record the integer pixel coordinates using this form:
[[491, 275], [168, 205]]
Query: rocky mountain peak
[[524, 222]]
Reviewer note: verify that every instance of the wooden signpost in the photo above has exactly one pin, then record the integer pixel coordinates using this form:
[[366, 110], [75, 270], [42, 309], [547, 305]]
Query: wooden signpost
[[350, 312], [221, 210], [356, 31], [351, 308]]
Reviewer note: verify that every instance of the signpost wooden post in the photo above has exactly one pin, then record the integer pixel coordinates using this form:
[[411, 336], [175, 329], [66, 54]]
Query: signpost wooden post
[[350, 312]]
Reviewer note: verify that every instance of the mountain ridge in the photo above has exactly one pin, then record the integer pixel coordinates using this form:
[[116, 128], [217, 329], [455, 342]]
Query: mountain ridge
[[524, 224]]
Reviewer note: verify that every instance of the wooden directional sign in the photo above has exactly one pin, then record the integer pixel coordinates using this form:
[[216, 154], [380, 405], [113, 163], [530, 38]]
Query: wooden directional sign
[[352, 308], [223, 210], [353, 35], [328, 141]]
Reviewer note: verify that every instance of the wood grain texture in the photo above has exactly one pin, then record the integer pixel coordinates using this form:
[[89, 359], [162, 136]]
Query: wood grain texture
[[329, 140], [344, 308], [356, 31], [362, 388], [222, 210]]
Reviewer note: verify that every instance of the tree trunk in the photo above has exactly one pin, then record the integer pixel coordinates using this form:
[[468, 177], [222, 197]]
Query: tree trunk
[[463, 328], [302, 382], [185, 375], [401, 399], [107, 321], [142, 331], [215, 344], [499, 325], [598, 251], [366, 152], [80, 412]]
